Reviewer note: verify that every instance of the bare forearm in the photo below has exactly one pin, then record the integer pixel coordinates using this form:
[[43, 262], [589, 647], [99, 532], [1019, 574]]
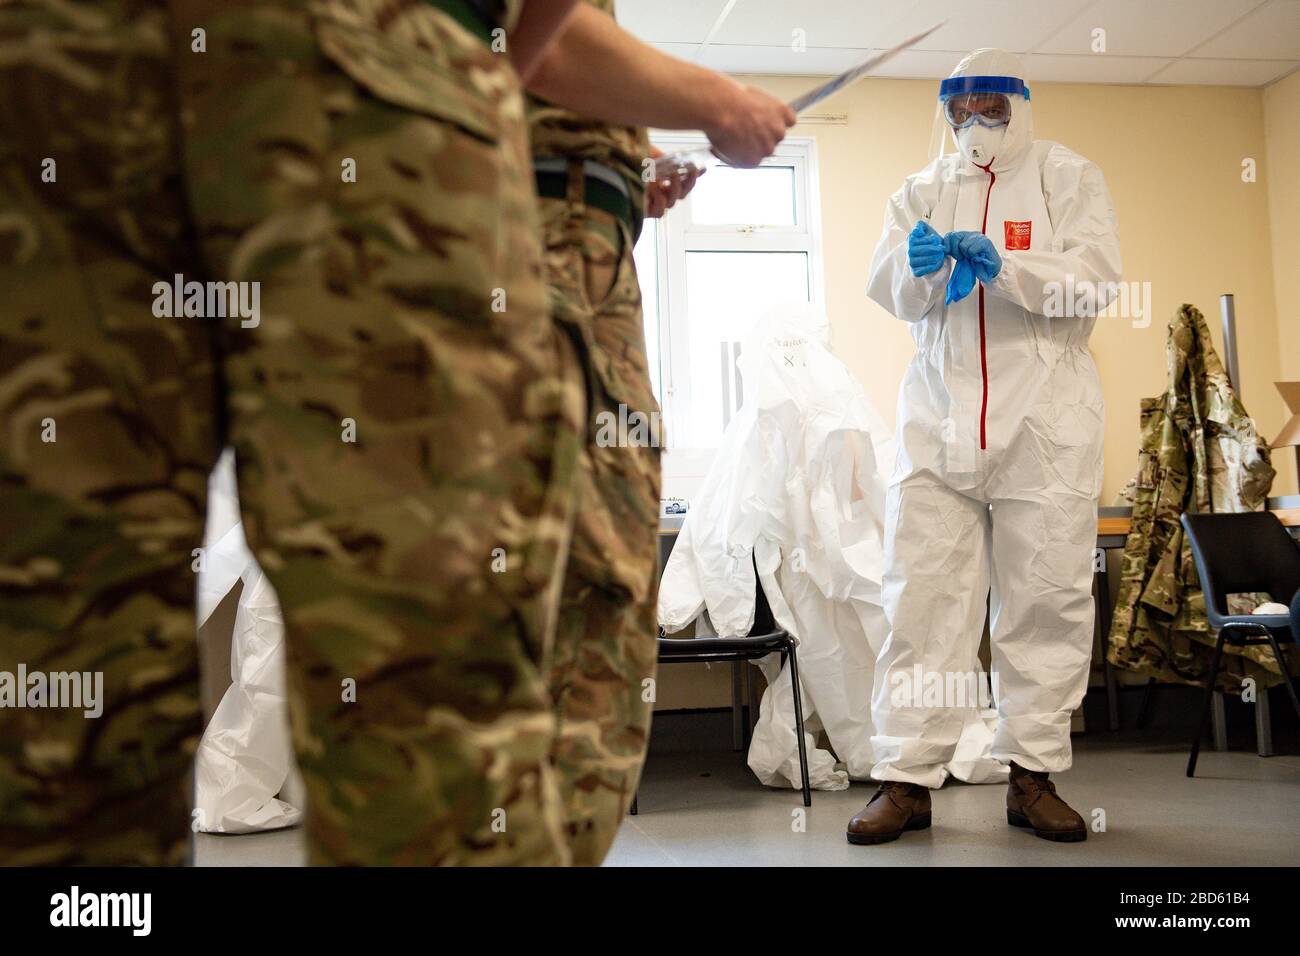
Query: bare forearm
[[600, 70], [539, 25]]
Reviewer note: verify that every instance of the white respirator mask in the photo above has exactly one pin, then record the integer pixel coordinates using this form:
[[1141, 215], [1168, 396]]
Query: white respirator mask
[[978, 143]]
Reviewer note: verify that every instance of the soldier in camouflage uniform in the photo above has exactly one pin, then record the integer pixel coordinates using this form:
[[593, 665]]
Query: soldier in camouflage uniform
[[1200, 452], [590, 179], [405, 414], [603, 671]]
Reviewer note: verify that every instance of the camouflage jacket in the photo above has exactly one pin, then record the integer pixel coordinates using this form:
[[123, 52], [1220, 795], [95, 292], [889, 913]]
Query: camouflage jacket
[[1200, 452], [556, 131]]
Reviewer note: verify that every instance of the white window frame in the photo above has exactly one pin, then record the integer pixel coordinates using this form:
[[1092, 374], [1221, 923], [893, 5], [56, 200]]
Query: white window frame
[[677, 236]]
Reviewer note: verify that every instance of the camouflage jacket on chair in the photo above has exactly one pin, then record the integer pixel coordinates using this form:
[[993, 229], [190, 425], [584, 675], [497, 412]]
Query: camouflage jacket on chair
[[1200, 452]]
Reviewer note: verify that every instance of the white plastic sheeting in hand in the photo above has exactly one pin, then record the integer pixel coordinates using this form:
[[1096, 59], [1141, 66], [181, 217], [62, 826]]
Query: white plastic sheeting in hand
[[245, 756], [798, 490]]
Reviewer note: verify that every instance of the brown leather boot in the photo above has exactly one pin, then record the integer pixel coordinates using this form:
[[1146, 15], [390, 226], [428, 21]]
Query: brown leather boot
[[895, 807], [1032, 802]]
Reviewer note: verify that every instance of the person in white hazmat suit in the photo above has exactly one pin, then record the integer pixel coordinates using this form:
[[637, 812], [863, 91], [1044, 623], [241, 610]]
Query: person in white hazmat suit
[[798, 484], [999, 461]]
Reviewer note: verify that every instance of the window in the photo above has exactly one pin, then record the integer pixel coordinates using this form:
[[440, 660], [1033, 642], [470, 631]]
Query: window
[[743, 242]]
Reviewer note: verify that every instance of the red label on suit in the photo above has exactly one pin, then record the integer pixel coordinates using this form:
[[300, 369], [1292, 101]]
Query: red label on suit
[[1016, 234]]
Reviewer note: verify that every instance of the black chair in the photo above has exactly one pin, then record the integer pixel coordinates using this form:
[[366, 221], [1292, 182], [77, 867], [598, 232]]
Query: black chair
[[764, 638], [1236, 554]]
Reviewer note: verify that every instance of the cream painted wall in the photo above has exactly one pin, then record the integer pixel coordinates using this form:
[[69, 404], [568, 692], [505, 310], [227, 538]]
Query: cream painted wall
[[1282, 134], [1172, 157]]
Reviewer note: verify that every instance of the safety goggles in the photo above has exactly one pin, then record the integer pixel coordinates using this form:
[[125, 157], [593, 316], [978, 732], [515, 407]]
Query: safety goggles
[[979, 99], [987, 109]]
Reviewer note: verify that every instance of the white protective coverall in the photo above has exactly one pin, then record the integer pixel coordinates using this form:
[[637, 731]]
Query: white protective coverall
[[999, 461], [245, 757], [798, 484]]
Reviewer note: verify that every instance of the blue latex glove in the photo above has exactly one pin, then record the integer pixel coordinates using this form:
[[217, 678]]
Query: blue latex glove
[[975, 258], [925, 249], [978, 249], [960, 282]]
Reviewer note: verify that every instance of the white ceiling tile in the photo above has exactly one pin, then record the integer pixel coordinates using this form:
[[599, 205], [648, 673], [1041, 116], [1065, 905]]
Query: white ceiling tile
[[1148, 27], [829, 23], [819, 61], [1015, 25], [826, 23], [1270, 33], [1090, 68], [1011, 24], [670, 21], [918, 64], [1144, 37], [1195, 70]]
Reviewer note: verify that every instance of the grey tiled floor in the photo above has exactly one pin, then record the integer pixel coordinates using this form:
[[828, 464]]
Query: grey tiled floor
[[1240, 809], [704, 808]]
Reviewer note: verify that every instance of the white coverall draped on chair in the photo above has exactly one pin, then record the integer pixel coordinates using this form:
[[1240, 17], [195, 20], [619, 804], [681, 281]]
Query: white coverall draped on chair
[[799, 484]]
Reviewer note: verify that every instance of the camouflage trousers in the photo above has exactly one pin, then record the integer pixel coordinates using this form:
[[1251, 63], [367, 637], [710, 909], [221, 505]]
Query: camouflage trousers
[[603, 671], [405, 413]]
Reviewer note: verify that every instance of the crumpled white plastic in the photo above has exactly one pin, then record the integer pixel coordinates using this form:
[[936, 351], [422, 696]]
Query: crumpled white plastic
[[245, 756], [799, 484]]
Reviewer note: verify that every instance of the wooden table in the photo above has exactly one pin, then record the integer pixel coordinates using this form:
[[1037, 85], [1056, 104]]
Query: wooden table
[[1119, 524]]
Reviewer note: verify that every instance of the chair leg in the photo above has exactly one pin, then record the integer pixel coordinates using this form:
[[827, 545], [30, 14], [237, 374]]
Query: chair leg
[[1145, 707], [1112, 695], [1219, 722], [1263, 724], [798, 726], [737, 720], [632, 809], [1203, 724], [1108, 670], [1286, 675], [747, 724]]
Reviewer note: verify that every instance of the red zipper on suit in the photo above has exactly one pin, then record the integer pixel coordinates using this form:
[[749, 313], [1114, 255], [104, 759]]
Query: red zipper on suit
[[984, 362]]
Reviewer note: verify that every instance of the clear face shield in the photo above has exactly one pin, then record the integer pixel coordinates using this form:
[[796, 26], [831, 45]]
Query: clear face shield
[[968, 104]]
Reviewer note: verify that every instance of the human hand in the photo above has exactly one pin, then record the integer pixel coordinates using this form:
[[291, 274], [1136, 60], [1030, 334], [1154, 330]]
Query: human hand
[[665, 191], [978, 250], [925, 249], [750, 123]]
